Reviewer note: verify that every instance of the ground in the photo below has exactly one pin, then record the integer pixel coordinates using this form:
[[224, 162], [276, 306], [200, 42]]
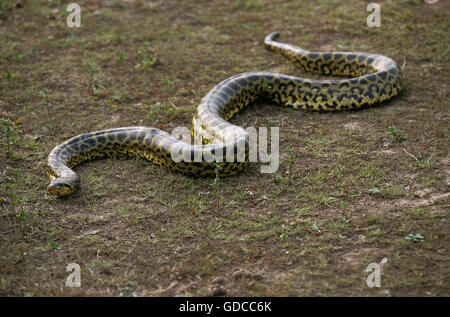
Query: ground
[[352, 187]]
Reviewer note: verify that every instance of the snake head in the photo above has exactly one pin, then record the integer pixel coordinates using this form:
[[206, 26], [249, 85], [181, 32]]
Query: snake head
[[63, 186]]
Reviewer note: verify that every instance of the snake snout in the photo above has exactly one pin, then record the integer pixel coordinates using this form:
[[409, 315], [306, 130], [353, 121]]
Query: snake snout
[[62, 186]]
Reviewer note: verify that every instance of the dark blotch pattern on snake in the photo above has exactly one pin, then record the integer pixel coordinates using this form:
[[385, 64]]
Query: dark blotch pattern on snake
[[372, 79]]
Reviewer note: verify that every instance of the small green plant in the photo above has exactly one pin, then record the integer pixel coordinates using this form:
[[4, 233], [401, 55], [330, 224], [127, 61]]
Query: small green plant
[[217, 168], [91, 66], [93, 83], [44, 94], [168, 83], [291, 158], [15, 201], [223, 200], [397, 134], [278, 178], [414, 237], [148, 62], [9, 133], [150, 57], [121, 55], [374, 190], [343, 205], [315, 226], [5, 5], [22, 214], [303, 211], [9, 75], [54, 245]]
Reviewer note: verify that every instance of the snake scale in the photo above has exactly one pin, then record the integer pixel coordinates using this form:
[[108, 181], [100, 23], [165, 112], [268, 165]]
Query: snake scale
[[371, 79]]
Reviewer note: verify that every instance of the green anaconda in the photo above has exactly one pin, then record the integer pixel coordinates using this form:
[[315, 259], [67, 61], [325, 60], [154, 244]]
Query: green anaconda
[[371, 79]]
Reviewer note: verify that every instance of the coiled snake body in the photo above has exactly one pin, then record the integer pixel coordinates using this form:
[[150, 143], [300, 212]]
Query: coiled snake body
[[374, 78]]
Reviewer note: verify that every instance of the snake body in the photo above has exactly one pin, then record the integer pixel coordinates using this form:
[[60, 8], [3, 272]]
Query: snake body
[[372, 79]]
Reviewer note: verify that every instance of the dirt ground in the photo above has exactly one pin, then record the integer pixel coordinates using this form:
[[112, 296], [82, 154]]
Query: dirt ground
[[352, 187]]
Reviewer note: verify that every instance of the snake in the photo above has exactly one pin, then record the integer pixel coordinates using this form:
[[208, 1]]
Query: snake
[[368, 79]]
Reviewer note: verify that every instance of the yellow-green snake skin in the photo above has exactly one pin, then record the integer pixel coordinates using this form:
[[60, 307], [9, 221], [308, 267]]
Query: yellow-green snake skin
[[373, 79]]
